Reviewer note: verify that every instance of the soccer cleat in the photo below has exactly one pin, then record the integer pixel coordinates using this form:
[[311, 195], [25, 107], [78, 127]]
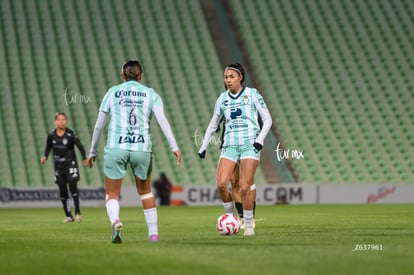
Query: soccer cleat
[[249, 232], [242, 223], [154, 238], [68, 219], [78, 218], [116, 232]]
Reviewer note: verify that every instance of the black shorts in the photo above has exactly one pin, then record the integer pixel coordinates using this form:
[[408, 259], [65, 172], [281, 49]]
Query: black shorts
[[64, 175]]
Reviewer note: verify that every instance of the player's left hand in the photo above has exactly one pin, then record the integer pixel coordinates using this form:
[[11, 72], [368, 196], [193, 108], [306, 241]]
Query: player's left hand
[[178, 156], [202, 154], [43, 160], [257, 147], [90, 162]]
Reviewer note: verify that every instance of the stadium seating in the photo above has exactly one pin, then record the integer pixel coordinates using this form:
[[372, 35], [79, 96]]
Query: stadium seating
[[335, 74], [64, 55]]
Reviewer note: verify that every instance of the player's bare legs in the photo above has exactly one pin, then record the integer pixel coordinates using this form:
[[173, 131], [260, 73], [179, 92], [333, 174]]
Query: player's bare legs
[[225, 169], [247, 170], [235, 190], [235, 186], [236, 194], [150, 209], [144, 187]]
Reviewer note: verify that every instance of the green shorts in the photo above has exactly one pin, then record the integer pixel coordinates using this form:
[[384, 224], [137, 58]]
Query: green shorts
[[238, 152], [116, 160]]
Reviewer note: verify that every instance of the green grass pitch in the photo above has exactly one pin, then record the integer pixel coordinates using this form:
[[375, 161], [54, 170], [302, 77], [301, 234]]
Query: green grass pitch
[[290, 239]]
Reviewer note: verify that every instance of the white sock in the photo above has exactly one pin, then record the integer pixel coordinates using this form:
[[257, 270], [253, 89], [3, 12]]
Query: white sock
[[248, 218], [68, 205], [151, 217], [229, 207], [112, 208]]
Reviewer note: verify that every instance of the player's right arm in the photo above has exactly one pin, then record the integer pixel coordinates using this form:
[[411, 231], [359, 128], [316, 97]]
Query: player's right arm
[[158, 110], [48, 148], [211, 129], [99, 125], [104, 110]]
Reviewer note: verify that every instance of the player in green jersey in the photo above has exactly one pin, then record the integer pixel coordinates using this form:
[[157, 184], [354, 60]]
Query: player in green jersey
[[243, 140], [130, 106]]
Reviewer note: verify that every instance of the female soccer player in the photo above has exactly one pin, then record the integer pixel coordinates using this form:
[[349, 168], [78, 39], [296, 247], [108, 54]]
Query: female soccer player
[[130, 106], [63, 140], [243, 139], [234, 181]]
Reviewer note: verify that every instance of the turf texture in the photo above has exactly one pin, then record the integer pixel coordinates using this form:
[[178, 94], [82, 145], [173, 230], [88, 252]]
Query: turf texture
[[290, 239]]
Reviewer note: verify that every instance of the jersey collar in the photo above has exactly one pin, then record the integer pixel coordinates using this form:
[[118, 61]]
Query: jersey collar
[[238, 95]]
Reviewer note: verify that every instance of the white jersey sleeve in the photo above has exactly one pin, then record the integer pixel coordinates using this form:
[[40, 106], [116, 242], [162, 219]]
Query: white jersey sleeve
[[158, 111], [212, 126], [99, 125], [264, 115], [211, 129]]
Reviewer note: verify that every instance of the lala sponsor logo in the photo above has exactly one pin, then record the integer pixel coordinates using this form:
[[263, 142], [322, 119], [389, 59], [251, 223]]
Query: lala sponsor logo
[[383, 192]]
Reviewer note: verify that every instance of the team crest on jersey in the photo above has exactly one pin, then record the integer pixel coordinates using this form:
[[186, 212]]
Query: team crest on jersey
[[65, 141], [246, 99]]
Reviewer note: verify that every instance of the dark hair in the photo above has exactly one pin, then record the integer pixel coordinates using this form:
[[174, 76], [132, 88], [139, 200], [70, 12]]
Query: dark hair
[[238, 68], [131, 69]]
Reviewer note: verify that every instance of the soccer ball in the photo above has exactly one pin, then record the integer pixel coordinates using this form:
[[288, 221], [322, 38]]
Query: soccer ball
[[228, 224]]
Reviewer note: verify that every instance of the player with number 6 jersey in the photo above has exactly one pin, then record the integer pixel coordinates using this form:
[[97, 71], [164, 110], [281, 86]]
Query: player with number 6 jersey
[[130, 106]]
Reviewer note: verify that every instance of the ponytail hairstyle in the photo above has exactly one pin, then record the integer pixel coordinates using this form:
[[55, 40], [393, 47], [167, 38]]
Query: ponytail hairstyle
[[131, 70]]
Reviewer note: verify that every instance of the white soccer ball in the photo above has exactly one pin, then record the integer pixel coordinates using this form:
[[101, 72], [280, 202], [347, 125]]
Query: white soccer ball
[[228, 224]]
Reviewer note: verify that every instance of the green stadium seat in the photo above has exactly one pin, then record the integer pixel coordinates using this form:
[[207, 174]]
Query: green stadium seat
[[343, 86], [336, 78]]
